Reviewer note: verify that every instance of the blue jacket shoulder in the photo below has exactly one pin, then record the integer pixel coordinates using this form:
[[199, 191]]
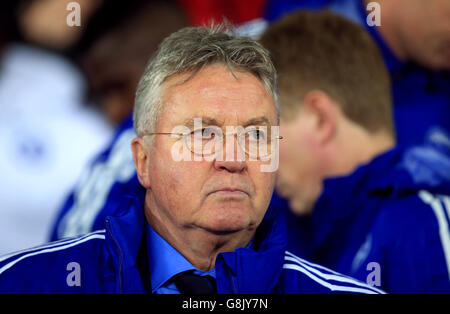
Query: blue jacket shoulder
[[411, 235], [65, 266], [301, 276]]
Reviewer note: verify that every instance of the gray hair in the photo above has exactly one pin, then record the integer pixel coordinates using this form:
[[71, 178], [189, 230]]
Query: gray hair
[[188, 51]]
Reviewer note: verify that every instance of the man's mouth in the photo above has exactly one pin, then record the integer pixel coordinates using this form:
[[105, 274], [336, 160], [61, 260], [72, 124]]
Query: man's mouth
[[229, 192]]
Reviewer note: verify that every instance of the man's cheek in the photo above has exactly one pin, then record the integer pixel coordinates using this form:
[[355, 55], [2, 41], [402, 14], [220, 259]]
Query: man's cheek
[[184, 180], [264, 186]]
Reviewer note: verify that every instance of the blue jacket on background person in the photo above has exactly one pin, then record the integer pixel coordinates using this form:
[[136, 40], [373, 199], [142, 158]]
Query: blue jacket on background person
[[99, 190], [114, 260], [387, 223]]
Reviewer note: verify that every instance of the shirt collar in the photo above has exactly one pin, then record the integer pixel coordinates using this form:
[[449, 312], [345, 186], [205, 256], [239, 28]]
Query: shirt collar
[[168, 263]]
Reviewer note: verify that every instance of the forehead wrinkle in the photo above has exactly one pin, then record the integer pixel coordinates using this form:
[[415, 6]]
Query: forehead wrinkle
[[215, 96], [263, 120], [189, 122], [218, 85], [230, 94]]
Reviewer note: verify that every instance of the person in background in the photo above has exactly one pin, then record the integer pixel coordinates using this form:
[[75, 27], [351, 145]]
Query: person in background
[[420, 92], [44, 23], [375, 210], [195, 226], [47, 133], [414, 38], [113, 68]]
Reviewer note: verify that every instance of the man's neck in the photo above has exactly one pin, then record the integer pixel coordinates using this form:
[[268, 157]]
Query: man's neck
[[361, 149], [199, 246]]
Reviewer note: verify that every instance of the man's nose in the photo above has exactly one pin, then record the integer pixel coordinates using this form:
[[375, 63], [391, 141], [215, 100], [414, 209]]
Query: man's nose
[[233, 156], [231, 166]]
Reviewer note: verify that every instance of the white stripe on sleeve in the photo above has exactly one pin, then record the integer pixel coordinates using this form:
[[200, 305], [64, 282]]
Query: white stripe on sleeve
[[48, 250], [444, 234], [327, 284], [49, 245]]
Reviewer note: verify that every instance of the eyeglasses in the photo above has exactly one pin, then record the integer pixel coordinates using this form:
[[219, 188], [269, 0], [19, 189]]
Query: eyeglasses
[[258, 142]]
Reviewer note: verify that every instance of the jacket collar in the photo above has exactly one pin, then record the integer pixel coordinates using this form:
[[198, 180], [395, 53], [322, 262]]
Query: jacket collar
[[239, 271], [125, 238], [255, 269], [339, 192], [393, 174], [345, 199], [396, 172]]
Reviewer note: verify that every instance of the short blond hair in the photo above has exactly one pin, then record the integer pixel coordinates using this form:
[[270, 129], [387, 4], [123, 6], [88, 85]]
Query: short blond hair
[[322, 50]]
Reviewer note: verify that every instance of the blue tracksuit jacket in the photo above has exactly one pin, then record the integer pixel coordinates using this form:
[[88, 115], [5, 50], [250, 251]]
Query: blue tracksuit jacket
[[393, 211], [113, 261]]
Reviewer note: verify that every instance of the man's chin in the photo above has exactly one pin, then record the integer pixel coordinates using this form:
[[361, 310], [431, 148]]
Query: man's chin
[[221, 218], [300, 208], [227, 225], [222, 231]]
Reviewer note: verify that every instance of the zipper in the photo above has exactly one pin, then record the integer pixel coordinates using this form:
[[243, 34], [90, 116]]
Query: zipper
[[233, 284], [121, 255], [220, 262]]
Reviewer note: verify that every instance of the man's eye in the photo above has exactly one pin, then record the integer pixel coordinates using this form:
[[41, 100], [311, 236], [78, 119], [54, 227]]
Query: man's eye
[[256, 135], [205, 133]]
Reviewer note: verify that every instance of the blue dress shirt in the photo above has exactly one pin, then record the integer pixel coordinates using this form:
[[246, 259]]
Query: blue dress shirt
[[165, 262]]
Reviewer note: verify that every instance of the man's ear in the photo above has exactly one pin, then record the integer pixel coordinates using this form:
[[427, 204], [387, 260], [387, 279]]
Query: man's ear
[[141, 158], [325, 112]]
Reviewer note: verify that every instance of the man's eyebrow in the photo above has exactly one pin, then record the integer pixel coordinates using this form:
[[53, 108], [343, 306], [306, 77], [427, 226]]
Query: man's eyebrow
[[205, 121], [211, 121], [257, 121]]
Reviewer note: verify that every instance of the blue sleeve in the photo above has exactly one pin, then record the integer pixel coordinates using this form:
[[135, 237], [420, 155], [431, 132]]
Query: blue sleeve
[[110, 177], [411, 241]]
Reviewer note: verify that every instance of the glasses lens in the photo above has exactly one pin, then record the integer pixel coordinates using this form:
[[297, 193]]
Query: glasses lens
[[256, 142], [204, 141]]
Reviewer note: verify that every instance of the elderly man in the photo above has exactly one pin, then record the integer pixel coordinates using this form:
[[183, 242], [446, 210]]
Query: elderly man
[[199, 222]]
